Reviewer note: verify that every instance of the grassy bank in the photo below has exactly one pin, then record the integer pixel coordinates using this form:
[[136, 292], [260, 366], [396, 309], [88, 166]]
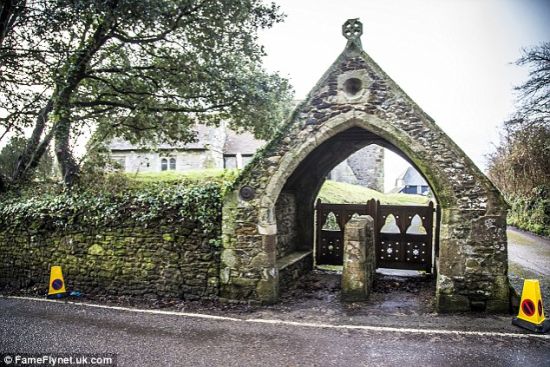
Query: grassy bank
[[331, 192], [338, 192]]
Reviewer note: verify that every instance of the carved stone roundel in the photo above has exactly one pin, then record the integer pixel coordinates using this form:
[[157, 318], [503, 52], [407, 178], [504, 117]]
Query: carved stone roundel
[[247, 193]]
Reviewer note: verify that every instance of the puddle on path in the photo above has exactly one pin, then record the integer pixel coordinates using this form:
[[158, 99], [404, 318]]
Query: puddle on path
[[392, 295]]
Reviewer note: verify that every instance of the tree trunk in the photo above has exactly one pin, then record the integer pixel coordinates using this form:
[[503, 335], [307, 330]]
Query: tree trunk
[[3, 185], [59, 106], [40, 151], [9, 12], [69, 168], [35, 148]]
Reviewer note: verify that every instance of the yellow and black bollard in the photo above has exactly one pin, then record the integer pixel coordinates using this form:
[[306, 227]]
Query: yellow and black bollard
[[531, 311], [57, 283]]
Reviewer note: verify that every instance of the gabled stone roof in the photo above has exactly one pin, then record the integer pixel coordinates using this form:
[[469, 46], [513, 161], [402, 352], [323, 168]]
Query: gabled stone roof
[[355, 104], [206, 136], [244, 143]]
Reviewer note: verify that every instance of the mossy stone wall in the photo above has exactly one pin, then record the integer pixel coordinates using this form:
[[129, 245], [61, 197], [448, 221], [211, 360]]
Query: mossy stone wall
[[154, 260]]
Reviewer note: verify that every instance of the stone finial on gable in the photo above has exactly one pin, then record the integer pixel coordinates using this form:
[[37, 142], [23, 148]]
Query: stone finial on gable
[[352, 29]]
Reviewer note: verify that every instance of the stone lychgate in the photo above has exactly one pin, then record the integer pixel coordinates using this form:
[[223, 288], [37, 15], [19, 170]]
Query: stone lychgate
[[268, 224]]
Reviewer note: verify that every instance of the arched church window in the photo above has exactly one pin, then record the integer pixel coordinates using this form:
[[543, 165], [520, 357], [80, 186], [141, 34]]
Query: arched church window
[[163, 164]]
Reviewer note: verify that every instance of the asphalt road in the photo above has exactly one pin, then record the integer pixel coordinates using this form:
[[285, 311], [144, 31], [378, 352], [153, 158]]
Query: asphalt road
[[145, 339], [529, 258], [529, 251]]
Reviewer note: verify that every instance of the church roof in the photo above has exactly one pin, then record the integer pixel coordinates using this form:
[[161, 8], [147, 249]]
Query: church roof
[[411, 177], [207, 137], [244, 143]]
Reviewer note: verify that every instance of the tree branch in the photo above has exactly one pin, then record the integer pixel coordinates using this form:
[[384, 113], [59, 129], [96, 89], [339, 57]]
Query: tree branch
[[151, 108]]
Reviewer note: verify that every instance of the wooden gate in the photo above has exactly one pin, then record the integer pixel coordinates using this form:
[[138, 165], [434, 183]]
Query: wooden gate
[[403, 234]]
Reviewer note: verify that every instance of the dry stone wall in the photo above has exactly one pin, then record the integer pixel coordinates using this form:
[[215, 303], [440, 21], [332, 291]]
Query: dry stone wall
[[160, 260], [286, 215]]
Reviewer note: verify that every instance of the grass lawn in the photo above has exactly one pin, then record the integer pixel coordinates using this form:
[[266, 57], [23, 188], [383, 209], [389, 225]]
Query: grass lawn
[[331, 192], [189, 176], [342, 193]]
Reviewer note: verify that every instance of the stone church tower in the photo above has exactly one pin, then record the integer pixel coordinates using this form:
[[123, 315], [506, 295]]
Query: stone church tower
[[364, 167]]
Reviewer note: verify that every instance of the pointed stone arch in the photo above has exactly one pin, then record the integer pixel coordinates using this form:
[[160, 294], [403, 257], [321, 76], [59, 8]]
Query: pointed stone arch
[[353, 105]]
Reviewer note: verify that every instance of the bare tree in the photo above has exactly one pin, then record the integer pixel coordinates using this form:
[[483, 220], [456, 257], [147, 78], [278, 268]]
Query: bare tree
[[521, 163], [534, 94]]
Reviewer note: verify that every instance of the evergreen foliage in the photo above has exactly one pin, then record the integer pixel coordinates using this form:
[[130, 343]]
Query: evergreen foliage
[[144, 70]]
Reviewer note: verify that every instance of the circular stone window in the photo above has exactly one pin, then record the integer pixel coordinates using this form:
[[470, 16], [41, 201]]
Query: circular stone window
[[353, 86]]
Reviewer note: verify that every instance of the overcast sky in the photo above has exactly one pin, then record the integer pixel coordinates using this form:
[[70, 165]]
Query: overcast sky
[[453, 57]]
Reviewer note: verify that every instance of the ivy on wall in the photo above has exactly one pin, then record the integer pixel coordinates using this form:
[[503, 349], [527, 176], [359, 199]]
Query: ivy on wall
[[164, 202]]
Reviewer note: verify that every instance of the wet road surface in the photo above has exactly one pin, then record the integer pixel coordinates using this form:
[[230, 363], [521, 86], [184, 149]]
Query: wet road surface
[[529, 251], [143, 339], [529, 258]]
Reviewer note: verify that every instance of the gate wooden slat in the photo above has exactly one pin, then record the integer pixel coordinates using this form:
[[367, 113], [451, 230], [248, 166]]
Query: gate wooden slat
[[399, 250]]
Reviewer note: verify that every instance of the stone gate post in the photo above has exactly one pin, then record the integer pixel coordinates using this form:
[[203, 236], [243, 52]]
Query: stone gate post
[[359, 259]]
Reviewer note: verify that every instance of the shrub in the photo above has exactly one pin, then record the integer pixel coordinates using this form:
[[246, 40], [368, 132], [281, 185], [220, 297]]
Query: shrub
[[115, 200], [532, 212]]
